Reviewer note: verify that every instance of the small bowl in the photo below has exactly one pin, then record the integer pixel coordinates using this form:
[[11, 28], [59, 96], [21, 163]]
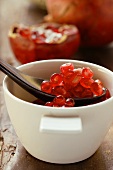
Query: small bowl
[[59, 135]]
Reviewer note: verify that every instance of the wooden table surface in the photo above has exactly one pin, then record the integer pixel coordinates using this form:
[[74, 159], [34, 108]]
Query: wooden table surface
[[13, 156]]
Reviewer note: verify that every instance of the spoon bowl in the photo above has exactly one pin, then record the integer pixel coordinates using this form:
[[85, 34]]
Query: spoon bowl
[[33, 85]]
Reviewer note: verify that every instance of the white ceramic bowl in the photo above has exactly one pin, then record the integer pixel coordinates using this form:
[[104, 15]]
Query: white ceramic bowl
[[58, 135]]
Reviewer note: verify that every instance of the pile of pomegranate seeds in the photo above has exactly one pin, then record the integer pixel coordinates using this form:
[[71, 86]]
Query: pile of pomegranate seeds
[[72, 82]]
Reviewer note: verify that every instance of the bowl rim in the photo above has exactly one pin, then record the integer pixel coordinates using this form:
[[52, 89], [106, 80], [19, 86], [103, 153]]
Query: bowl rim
[[5, 88]]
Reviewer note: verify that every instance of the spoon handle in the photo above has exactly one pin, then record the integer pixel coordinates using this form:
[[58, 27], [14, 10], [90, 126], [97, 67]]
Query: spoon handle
[[16, 76], [11, 71], [8, 67]]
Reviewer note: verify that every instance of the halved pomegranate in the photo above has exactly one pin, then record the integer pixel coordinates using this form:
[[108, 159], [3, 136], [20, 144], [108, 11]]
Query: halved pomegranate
[[44, 41]]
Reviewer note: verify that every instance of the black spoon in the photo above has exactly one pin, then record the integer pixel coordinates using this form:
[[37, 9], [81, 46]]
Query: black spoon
[[33, 84]]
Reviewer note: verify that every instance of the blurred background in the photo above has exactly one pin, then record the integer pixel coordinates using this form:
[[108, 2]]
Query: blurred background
[[31, 12]]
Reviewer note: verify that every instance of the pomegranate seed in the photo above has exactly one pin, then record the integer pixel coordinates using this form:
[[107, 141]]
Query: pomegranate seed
[[25, 32], [59, 90], [46, 86], [56, 105], [107, 94], [67, 86], [69, 75], [37, 37], [34, 35], [69, 102], [72, 78], [99, 82], [59, 100], [76, 79], [38, 101], [87, 93], [87, 72], [49, 104], [56, 79], [40, 39], [77, 90], [68, 94], [96, 89], [86, 82], [66, 67], [78, 71]]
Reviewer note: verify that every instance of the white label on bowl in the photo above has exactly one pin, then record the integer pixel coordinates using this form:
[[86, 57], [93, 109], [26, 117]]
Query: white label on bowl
[[61, 124]]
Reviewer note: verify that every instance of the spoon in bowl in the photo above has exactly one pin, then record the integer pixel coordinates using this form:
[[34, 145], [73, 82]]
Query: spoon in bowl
[[33, 85]]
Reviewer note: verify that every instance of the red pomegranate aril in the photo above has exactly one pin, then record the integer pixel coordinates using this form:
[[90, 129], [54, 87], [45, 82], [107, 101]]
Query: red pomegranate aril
[[25, 32], [34, 34], [77, 90], [69, 102], [49, 104], [38, 101], [72, 78], [46, 86], [59, 90], [99, 82], [56, 79], [87, 93], [68, 74], [86, 82], [69, 94], [76, 79], [59, 100], [67, 78], [96, 89], [87, 72], [67, 86], [64, 68], [56, 105], [78, 71], [56, 30], [40, 39], [107, 94]]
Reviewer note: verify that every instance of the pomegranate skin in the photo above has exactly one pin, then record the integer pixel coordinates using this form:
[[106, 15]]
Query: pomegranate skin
[[94, 18], [26, 50]]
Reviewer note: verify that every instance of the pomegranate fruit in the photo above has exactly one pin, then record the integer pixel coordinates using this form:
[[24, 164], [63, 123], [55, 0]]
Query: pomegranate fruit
[[94, 18], [44, 41]]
